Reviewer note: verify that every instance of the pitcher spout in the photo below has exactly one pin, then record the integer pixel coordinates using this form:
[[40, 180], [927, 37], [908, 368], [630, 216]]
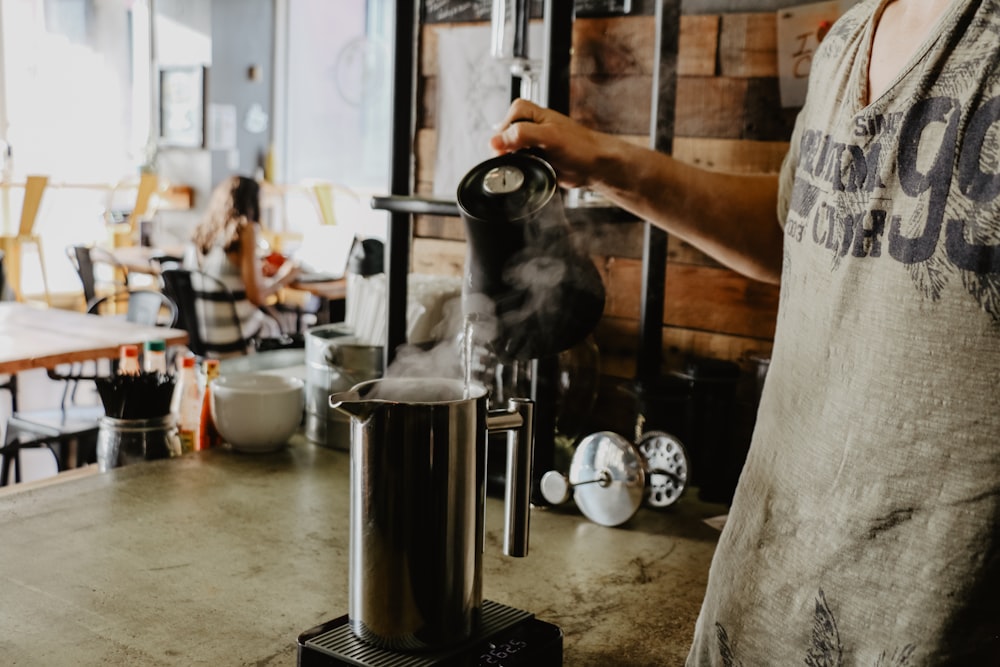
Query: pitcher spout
[[350, 403]]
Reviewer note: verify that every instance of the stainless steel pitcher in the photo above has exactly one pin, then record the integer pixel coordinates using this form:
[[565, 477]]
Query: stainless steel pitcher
[[418, 483]]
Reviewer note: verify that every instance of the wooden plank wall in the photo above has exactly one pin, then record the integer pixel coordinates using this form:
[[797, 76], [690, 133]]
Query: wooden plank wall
[[727, 118]]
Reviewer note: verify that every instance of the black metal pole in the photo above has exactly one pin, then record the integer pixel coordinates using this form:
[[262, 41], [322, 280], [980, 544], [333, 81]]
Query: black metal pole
[[545, 371], [654, 254], [400, 223], [560, 15], [521, 18]]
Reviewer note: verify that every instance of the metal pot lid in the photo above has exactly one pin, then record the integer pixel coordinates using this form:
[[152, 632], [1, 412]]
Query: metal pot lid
[[507, 188], [608, 478]]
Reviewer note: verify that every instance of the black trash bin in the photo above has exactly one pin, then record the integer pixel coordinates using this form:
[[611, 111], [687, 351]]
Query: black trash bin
[[698, 405], [716, 445]]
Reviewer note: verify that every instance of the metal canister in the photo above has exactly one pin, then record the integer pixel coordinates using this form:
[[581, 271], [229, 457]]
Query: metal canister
[[335, 362]]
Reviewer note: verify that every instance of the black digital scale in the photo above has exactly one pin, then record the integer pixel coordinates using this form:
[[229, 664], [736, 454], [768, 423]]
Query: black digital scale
[[507, 637]]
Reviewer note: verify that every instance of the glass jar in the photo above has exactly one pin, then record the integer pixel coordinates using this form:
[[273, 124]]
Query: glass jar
[[124, 441]]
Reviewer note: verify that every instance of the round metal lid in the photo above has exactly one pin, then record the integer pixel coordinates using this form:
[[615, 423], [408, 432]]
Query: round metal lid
[[608, 478], [507, 188]]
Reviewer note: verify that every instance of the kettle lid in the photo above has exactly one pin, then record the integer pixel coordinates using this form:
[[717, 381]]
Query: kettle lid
[[507, 188]]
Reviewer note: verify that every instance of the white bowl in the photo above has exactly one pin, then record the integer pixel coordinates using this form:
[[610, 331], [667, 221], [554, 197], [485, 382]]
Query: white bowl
[[257, 412]]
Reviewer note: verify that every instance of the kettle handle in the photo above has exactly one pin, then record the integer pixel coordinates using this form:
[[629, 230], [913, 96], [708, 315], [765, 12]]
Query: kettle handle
[[518, 419]]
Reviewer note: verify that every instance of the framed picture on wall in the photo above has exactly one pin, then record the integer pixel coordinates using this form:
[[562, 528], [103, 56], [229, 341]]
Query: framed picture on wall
[[182, 106]]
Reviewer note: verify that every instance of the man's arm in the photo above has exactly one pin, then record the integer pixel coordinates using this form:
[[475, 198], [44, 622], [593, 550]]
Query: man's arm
[[730, 217]]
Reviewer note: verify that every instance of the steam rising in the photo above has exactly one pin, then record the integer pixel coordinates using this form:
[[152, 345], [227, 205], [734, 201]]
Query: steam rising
[[463, 351], [418, 390], [530, 291]]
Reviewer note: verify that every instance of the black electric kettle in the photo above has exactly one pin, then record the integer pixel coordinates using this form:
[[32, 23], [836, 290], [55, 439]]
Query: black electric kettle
[[523, 264]]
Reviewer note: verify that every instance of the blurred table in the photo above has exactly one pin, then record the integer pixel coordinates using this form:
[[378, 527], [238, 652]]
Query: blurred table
[[331, 290], [33, 337], [331, 294], [144, 259]]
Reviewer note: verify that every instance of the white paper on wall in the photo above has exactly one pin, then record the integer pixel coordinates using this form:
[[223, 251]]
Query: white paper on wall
[[221, 127], [800, 30], [473, 96]]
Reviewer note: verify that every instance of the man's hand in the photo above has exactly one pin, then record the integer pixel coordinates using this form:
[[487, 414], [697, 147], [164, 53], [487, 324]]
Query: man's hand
[[574, 151]]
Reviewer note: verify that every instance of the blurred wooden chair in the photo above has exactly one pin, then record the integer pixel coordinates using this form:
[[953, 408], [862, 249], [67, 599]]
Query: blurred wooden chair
[[323, 193], [13, 246], [127, 233], [148, 184]]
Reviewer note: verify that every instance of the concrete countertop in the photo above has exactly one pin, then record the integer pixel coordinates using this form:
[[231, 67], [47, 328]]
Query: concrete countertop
[[219, 558]]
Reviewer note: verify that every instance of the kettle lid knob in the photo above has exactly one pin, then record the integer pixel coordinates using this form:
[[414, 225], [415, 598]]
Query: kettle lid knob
[[503, 180], [509, 188]]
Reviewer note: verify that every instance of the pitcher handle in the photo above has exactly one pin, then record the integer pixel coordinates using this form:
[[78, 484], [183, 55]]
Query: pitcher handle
[[518, 419]]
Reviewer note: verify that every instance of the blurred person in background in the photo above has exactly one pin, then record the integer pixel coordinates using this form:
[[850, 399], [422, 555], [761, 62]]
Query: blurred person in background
[[225, 245]]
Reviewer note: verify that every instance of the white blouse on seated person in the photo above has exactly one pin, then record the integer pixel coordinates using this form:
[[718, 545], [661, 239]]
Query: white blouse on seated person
[[217, 327]]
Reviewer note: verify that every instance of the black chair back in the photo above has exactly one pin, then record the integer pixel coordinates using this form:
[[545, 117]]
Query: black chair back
[[5, 293], [79, 256], [85, 259], [205, 306]]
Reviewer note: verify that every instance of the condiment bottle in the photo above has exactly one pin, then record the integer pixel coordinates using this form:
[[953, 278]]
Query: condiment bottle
[[208, 435], [186, 404], [154, 357], [128, 360]]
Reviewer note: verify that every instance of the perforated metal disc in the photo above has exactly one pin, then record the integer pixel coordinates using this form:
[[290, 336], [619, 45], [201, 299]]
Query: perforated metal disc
[[608, 478], [666, 465]]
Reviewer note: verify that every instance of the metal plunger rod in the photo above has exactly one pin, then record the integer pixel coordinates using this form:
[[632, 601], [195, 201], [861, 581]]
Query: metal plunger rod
[[519, 422]]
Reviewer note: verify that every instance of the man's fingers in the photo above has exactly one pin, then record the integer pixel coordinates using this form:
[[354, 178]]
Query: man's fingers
[[520, 110]]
